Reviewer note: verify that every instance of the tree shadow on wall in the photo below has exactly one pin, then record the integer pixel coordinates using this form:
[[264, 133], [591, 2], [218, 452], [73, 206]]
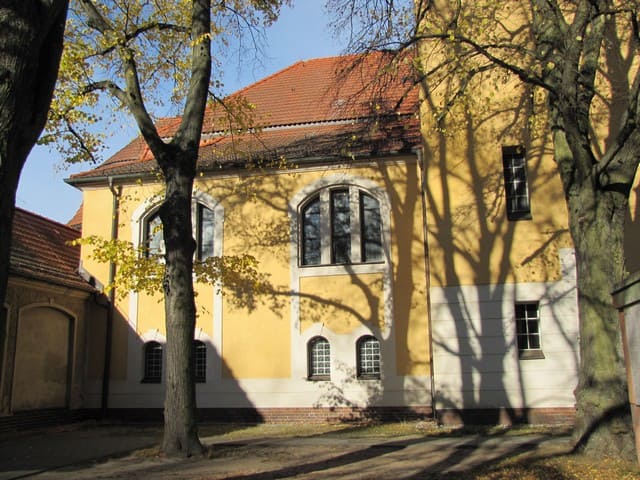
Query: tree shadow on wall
[[482, 263], [128, 385], [398, 319]]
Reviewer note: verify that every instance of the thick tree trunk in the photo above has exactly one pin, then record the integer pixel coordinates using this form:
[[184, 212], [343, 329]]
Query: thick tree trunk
[[180, 423], [603, 422], [30, 47]]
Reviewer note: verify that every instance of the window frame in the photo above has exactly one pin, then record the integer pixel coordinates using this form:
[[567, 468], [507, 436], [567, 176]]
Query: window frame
[[147, 234], [527, 352], [355, 250], [312, 366], [197, 212], [362, 358], [199, 361], [152, 368], [516, 183]]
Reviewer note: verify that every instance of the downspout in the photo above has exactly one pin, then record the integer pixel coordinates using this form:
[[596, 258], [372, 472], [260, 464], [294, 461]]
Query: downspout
[[425, 245], [106, 373]]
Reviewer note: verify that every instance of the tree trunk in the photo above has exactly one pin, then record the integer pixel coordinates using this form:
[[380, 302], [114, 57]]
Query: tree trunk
[[180, 424], [603, 422], [30, 47]]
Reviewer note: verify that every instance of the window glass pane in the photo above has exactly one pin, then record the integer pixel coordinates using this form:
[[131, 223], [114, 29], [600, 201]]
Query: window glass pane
[[319, 358], [532, 310], [153, 235], [152, 362], [534, 341], [311, 233], [371, 229], [522, 342], [340, 227], [368, 357], [528, 326], [200, 359], [205, 228], [516, 185]]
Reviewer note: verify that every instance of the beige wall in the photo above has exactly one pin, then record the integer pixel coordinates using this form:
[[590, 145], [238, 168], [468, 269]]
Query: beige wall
[[54, 346], [41, 375]]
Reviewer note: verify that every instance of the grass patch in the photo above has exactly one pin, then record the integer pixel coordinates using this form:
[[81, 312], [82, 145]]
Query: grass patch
[[369, 430], [561, 467]]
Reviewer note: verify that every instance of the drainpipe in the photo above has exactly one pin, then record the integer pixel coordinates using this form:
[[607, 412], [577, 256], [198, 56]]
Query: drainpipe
[[106, 373], [425, 245]]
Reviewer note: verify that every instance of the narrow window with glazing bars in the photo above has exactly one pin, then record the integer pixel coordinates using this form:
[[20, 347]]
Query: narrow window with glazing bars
[[205, 230], [340, 227], [311, 247], [152, 362], [371, 225], [319, 353], [154, 240], [528, 329], [516, 183], [368, 357], [200, 361]]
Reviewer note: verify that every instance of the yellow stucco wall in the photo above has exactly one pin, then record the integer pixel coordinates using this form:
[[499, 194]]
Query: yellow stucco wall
[[342, 302], [257, 221], [471, 241]]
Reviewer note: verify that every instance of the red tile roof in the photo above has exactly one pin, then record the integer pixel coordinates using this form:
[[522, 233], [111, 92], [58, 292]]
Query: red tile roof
[[39, 250], [76, 220], [327, 107]]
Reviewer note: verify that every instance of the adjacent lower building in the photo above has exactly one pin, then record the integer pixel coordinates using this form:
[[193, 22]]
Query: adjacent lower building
[[49, 338]]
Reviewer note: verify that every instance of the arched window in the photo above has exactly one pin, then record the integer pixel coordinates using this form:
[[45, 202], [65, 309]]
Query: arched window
[[152, 362], [368, 357], [200, 361], [341, 225], [319, 357], [203, 232]]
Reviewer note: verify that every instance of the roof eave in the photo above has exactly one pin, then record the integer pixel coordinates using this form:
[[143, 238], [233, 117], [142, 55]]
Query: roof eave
[[101, 179]]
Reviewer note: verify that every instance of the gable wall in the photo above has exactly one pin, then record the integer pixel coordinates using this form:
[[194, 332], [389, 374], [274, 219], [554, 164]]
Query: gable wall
[[252, 346]]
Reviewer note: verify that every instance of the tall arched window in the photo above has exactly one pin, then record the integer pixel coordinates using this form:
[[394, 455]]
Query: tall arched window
[[152, 362], [203, 232], [368, 357], [341, 225], [319, 358]]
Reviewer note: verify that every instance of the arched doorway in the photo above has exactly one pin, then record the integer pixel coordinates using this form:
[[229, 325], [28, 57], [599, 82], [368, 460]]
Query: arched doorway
[[42, 361]]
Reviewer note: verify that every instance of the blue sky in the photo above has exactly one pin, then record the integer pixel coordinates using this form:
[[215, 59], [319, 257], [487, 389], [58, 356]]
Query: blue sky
[[301, 33]]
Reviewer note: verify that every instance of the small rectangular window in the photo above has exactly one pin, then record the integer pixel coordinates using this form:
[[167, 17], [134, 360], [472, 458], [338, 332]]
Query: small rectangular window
[[515, 183], [528, 330], [200, 361]]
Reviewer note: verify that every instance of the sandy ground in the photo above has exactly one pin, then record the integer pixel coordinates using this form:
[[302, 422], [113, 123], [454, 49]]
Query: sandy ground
[[108, 452]]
